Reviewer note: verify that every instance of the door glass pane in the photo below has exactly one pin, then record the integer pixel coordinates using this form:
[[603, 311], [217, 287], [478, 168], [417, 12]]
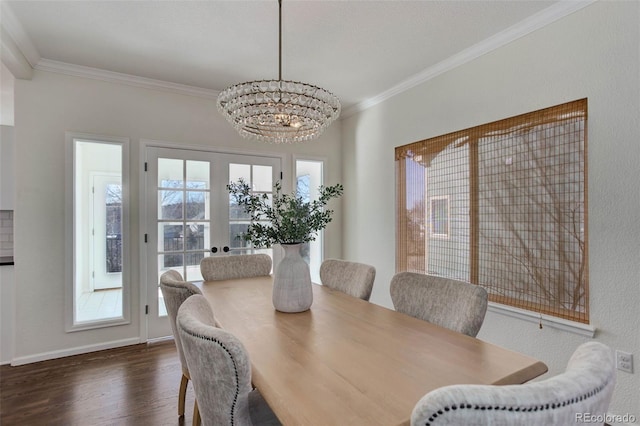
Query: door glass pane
[[196, 236], [171, 261], [197, 174], [262, 178], [197, 205], [192, 262], [236, 229], [170, 173], [237, 171], [170, 237], [170, 204], [236, 212], [162, 309]]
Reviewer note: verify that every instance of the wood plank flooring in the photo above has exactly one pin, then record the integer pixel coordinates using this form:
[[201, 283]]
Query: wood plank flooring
[[134, 385]]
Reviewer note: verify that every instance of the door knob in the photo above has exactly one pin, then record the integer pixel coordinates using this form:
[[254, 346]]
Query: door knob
[[225, 249], [214, 249]]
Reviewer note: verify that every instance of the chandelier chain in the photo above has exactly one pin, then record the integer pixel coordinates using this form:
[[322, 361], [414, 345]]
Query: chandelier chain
[[280, 40]]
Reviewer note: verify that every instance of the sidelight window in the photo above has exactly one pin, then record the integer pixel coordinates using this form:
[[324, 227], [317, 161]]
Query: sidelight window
[[98, 224]]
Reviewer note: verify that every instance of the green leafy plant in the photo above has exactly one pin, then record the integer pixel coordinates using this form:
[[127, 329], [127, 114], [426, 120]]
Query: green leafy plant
[[287, 218]]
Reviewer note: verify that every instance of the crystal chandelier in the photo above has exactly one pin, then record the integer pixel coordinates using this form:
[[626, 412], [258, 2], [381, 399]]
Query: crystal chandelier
[[279, 111]]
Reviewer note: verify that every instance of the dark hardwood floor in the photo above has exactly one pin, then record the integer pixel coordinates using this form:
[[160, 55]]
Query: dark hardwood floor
[[134, 385]]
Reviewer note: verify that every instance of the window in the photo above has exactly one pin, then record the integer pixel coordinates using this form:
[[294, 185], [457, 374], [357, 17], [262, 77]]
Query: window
[[113, 228], [439, 216], [506, 209], [183, 216], [260, 178], [97, 222], [308, 181]]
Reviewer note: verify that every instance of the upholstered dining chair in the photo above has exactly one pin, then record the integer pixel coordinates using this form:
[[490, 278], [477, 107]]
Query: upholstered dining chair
[[449, 303], [355, 279], [584, 389], [221, 370], [174, 292], [216, 268]]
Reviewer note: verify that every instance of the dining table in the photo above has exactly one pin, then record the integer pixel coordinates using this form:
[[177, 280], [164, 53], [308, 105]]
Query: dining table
[[347, 361]]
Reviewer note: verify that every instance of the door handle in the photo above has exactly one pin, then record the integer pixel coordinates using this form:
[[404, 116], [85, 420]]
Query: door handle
[[225, 249], [214, 249]]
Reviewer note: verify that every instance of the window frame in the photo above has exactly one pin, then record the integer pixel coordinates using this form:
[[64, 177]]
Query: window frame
[[71, 325]]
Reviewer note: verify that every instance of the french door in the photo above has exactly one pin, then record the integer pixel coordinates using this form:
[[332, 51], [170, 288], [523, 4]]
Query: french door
[[189, 215]]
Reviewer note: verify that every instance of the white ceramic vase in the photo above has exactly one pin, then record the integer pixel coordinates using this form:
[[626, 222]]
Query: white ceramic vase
[[292, 291]]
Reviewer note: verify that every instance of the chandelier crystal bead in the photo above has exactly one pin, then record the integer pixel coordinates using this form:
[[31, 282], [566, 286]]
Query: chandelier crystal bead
[[278, 111]]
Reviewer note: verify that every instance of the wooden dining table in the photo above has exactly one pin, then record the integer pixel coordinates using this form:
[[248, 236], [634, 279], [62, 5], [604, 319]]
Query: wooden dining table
[[350, 362]]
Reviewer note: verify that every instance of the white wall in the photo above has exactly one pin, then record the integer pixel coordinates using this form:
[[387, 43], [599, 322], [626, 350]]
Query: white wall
[[7, 167], [7, 312], [6, 96], [46, 107], [592, 53]]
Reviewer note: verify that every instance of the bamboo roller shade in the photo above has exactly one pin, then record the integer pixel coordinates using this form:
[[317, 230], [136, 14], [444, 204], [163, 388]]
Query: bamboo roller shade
[[502, 205]]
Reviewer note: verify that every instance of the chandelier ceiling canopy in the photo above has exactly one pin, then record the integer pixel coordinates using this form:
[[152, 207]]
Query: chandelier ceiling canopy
[[278, 111]]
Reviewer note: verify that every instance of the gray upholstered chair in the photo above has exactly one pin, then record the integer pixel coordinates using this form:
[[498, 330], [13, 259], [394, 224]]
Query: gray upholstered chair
[[355, 279], [221, 370], [216, 268], [175, 291], [585, 388], [449, 303]]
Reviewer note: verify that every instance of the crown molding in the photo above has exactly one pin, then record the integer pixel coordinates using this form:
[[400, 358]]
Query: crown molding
[[128, 79], [527, 26], [16, 31], [543, 18]]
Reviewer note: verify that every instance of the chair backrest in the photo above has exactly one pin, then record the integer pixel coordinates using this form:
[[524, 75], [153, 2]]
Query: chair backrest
[[215, 268], [219, 365], [584, 389], [449, 303], [355, 279], [174, 292]]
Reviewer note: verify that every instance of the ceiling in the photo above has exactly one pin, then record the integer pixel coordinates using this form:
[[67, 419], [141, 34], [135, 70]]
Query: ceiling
[[358, 50]]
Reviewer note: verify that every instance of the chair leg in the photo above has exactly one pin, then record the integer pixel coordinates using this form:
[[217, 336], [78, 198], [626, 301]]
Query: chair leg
[[196, 414], [182, 395]]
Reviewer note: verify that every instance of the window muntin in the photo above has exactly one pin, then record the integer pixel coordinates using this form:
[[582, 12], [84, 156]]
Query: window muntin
[[517, 209]]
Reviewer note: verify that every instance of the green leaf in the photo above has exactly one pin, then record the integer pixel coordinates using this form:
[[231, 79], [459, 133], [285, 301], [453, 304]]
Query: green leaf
[[287, 219]]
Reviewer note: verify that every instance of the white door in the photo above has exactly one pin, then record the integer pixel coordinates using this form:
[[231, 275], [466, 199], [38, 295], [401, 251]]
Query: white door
[[189, 217]]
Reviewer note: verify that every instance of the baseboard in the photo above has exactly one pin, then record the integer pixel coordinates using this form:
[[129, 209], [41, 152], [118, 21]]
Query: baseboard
[[74, 351], [160, 339]]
